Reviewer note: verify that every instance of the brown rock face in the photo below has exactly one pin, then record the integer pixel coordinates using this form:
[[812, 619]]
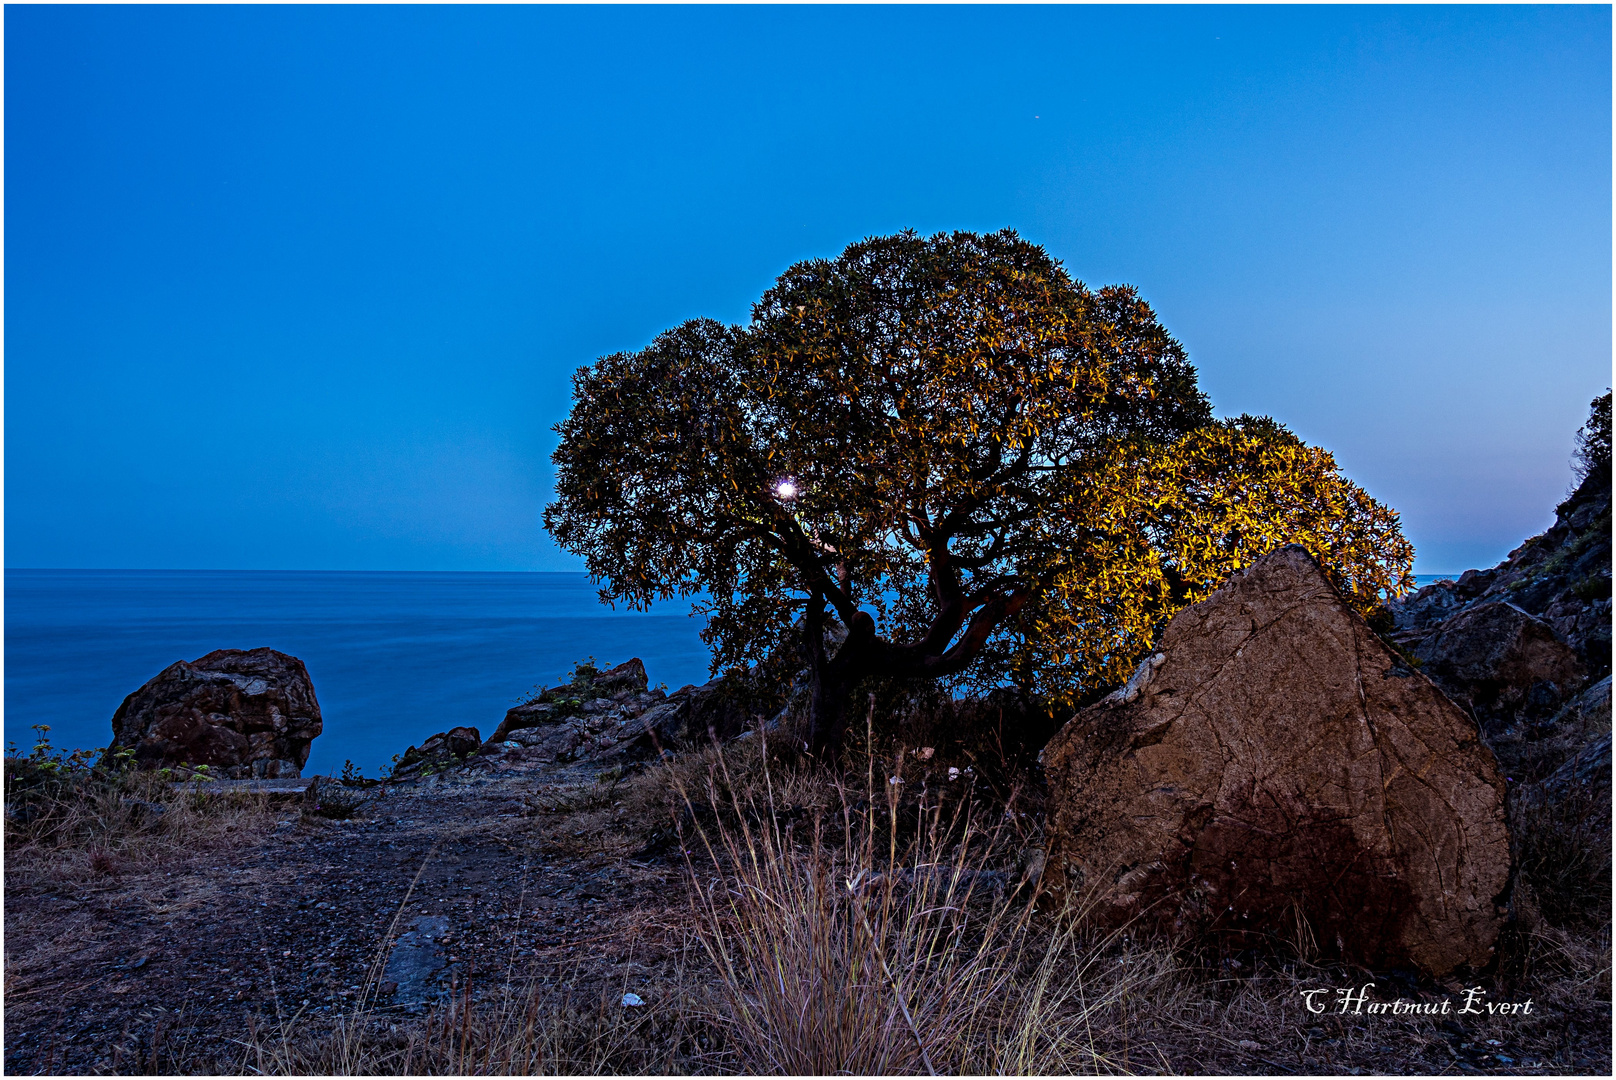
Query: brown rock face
[[242, 713], [1276, 769]]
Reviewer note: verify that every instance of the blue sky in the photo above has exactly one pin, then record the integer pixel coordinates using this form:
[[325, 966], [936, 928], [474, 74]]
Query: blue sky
[[303, 287]]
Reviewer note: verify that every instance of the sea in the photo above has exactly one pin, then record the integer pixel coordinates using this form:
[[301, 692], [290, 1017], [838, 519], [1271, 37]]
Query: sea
[[394, 656]]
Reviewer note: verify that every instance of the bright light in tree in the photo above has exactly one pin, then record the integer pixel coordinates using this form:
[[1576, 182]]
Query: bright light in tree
[[786, 489]]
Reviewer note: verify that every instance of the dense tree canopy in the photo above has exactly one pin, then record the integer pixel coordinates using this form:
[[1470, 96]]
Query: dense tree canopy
[[978, 467]]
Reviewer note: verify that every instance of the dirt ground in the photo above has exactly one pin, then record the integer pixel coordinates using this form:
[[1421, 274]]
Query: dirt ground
[[557, 876], [182, 965]]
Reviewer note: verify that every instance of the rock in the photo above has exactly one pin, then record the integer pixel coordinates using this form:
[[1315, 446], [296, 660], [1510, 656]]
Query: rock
[[607, 717], [442, 751], [558, 742], [327, 796], [530, 715], [1426, 608], [462, 741], [1562, 827], [610, 715], [241, 713], [1586, 774], [1500, 660], [589, 692], [1561, 576], [693, 714], [1570, 755], [626, 678], [1513, 643], [417, 964], [1276, 769]]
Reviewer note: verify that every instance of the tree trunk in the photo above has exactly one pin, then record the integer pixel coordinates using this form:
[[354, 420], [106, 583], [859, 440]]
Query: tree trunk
[[831, 680], [827, 717]]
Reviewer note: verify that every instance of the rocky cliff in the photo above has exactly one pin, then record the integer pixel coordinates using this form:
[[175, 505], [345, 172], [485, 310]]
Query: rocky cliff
[[1525, 647]]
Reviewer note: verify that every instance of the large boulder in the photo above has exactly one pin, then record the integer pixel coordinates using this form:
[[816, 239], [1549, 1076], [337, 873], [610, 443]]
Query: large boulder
[[1276, 769], [242, 713]]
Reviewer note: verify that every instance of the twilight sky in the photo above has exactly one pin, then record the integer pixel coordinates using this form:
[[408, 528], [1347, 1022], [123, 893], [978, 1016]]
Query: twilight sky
[[303, 287]]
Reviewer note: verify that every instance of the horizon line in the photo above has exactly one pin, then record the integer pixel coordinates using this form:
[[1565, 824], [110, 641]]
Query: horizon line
[[1454, 574]]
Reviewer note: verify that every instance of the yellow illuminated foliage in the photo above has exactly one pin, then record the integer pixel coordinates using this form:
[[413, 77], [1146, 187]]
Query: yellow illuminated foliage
[[996, 473], [1173, 523]]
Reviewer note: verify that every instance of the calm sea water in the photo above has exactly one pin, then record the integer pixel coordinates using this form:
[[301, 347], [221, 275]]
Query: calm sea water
[[394, 657]]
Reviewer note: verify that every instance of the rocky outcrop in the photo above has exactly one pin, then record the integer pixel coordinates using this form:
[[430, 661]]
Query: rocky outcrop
[[442, 751], [1276, 769], [1503, 662], [241, 713], [589, 693], [597, 715], [1517, 644], [693, 715], [609, 717], [1561, 576]]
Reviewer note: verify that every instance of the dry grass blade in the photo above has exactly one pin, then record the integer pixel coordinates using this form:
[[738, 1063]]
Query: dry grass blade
[[873, 942]]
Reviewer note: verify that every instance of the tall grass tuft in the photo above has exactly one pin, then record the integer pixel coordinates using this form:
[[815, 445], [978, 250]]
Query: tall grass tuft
[[880, 939]]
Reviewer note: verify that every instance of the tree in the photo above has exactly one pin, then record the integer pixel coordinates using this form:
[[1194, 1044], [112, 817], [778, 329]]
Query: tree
[[976, 466], [1592, 457]]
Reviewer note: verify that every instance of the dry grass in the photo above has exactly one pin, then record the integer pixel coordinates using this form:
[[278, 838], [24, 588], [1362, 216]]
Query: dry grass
[[880, 928], [66, 826], [1563, 854], [846, 923], [833, 934], [870, 937], [509, 1033]]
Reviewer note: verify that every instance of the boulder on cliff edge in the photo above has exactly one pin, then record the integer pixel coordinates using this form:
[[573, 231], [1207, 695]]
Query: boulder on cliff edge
[[1276, 769], [242, 713]]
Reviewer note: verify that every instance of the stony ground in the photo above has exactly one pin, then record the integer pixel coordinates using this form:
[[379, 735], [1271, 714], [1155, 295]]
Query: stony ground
[[192, 962]]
